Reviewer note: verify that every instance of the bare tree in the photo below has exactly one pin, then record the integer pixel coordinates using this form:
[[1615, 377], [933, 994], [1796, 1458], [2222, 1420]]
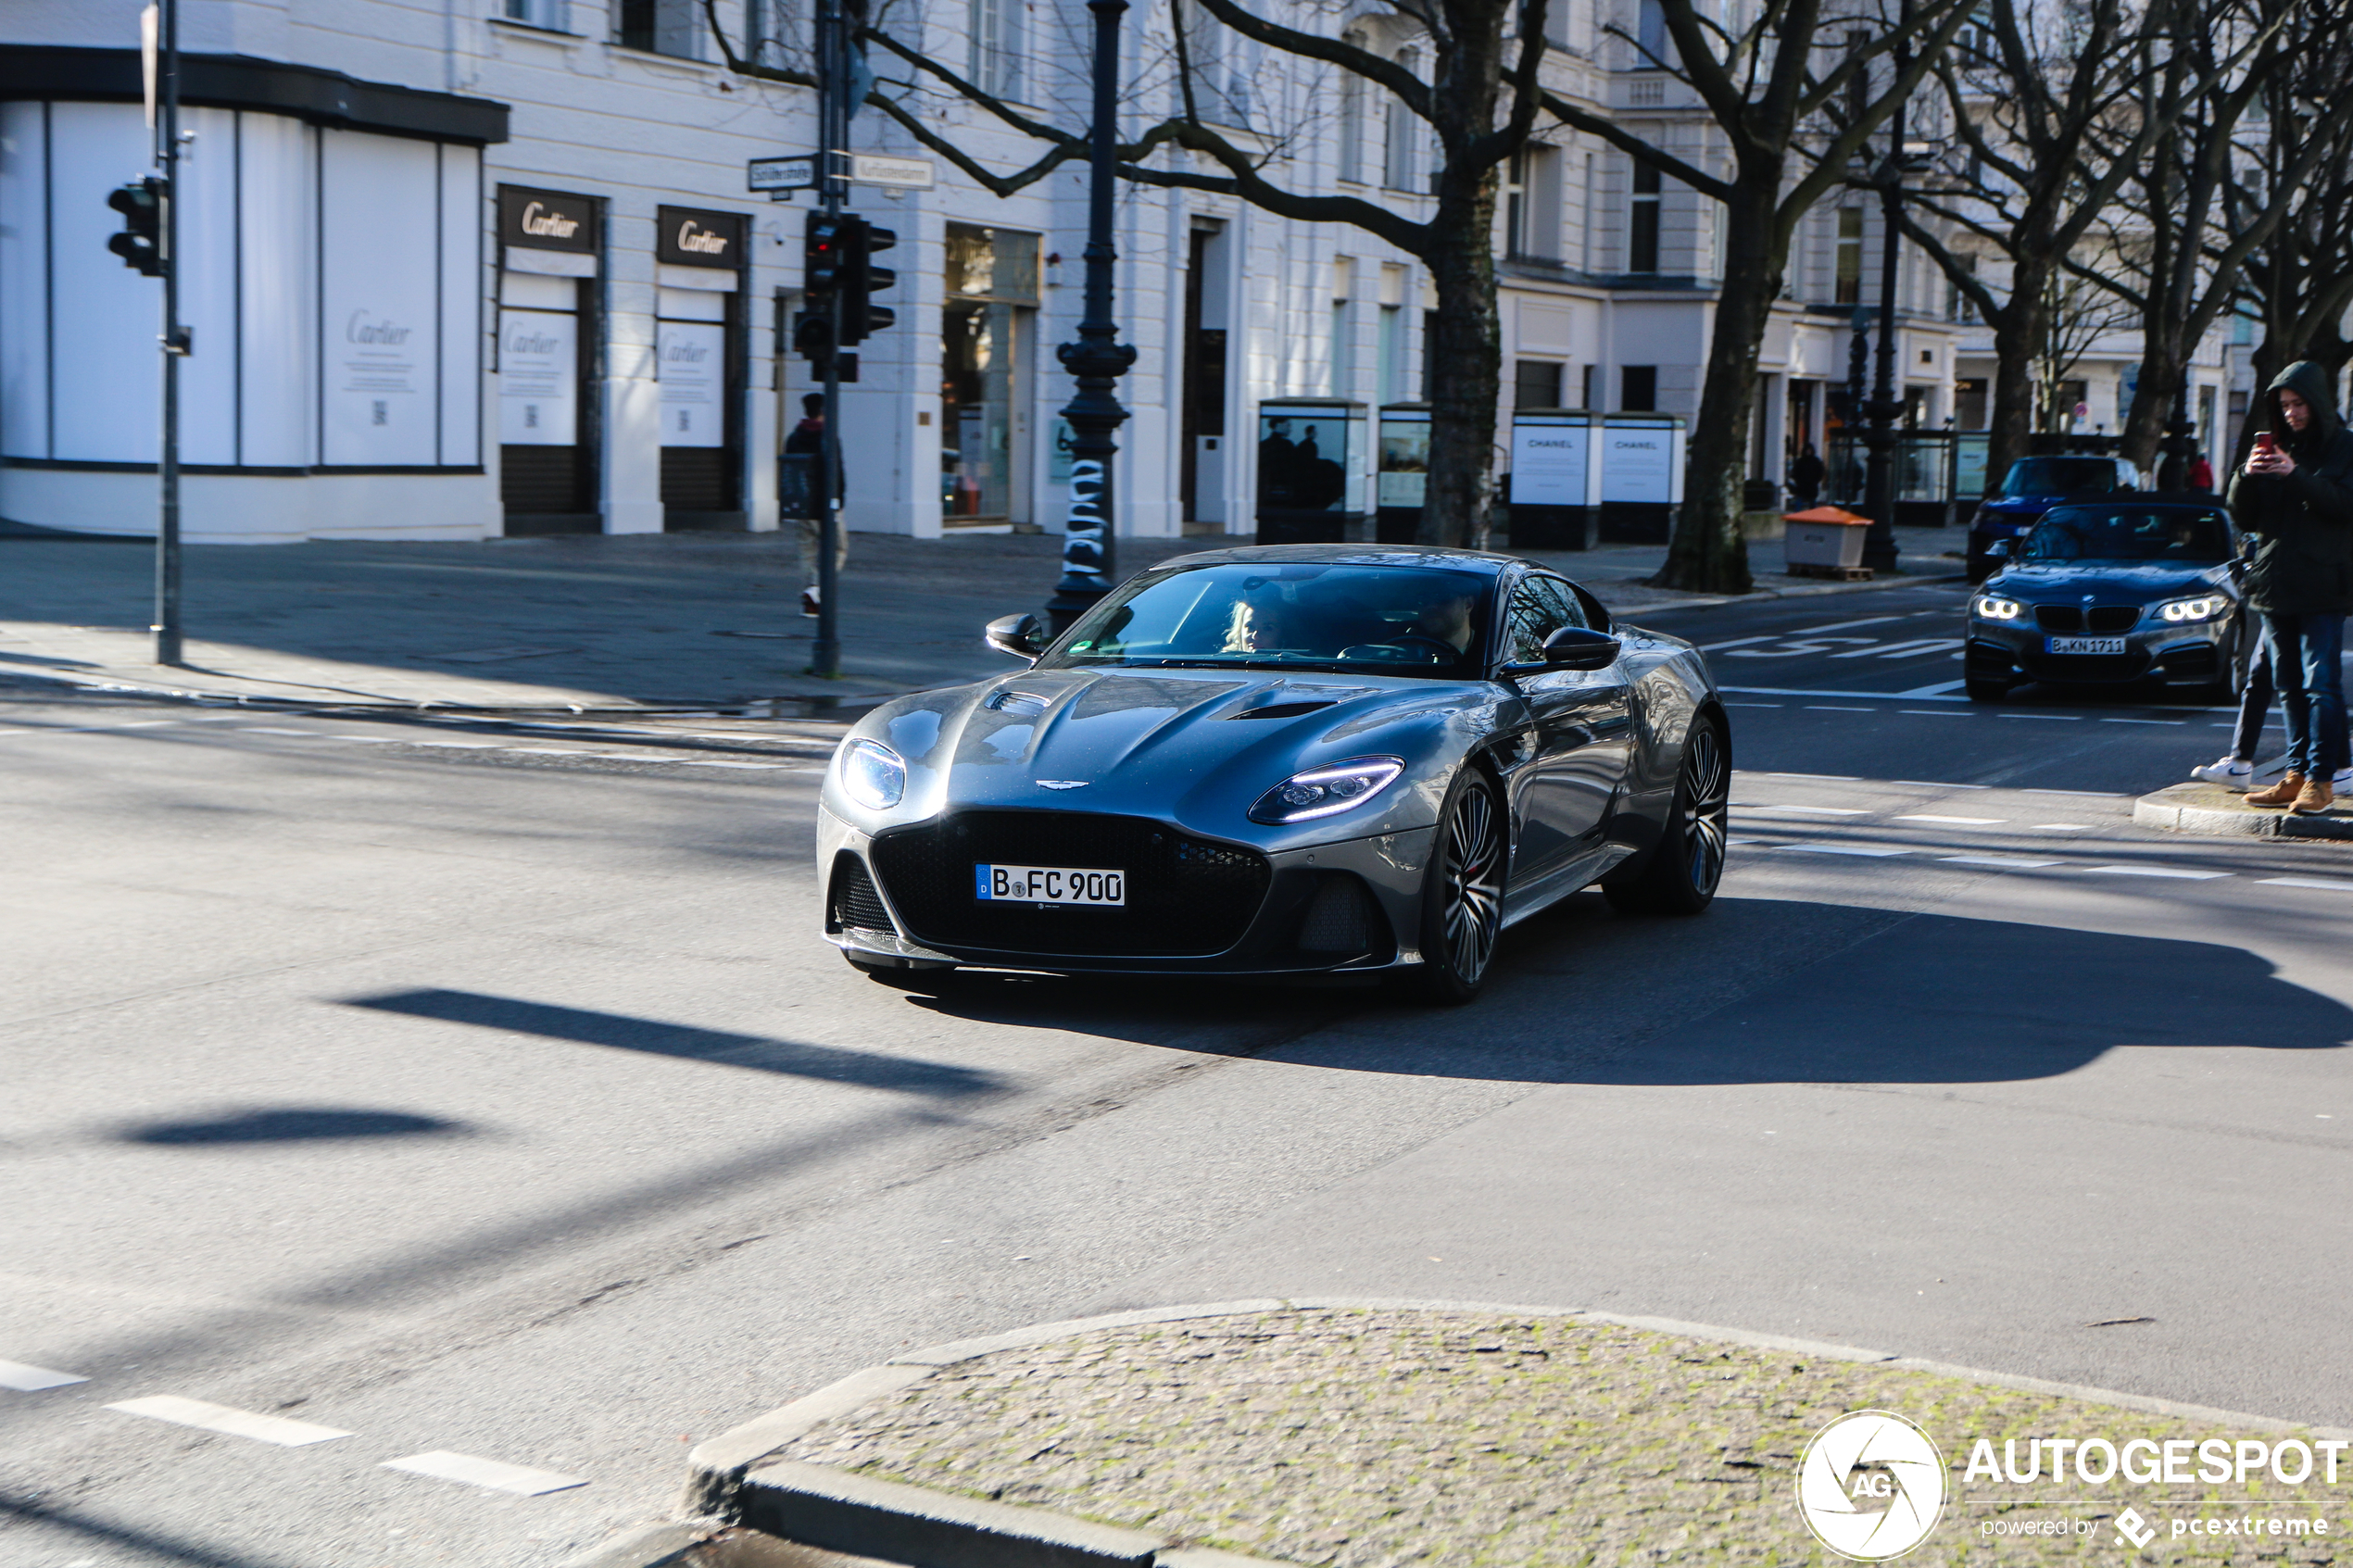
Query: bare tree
[[2173, 271], [2028, 179], [1793, 115], [2075, 315]]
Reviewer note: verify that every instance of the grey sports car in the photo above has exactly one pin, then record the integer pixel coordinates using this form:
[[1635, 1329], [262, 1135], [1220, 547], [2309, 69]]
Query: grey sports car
[[1305, 760]]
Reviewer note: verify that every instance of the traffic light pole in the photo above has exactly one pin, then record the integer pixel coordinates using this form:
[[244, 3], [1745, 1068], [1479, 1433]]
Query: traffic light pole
[[1097, 359], [175, 339], [833, 125]]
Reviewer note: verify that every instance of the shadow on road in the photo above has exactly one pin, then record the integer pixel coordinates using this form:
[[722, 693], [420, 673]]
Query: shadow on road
[[621, 1032], [290, 1125]]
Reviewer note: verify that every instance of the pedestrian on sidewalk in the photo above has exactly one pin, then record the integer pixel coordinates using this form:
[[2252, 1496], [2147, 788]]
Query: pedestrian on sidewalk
[[1806, 475], [807, 442], [2201, 474], [2295, 497]]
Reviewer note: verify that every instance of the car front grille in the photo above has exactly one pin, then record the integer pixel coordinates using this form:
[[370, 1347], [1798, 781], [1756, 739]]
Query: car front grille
[[1187, 897], [854, 905], [2091, 667], [2106, 619]]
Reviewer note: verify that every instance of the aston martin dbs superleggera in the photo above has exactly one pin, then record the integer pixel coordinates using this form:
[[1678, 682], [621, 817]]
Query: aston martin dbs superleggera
[[1299, 759]]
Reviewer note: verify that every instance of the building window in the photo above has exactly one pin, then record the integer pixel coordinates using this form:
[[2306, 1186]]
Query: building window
[[1849, 275], [1392, 388], [995, 64], [660, 26], [1352, 89], [1343, 326], [1556, 22], [1536, 384], [1585, 386], [1398, 142], [1638, 388], [992, 291], [549, 14], [1531, 203], [772, 34], [1650, 34], [1642, 230]]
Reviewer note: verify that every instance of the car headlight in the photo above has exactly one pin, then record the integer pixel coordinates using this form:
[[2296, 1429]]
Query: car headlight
[[873, 774], [1327, 791], [1992, 607], [2203, 608]]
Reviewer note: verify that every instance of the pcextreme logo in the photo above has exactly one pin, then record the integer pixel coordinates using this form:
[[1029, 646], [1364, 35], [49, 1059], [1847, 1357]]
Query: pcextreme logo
[[1871, 1486]]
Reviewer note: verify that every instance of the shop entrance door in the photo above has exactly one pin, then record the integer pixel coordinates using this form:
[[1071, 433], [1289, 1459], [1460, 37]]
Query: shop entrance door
[[992, 286], [546, 468]]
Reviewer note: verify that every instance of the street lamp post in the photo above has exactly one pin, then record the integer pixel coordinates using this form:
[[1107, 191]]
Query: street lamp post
[[1097, 359], [1878, 432], [2180, 444], [166, 628]]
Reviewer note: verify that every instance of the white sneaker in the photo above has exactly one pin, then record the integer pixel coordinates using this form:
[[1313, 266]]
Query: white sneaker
[[809, 602], [2343, 777], [2230, 772]]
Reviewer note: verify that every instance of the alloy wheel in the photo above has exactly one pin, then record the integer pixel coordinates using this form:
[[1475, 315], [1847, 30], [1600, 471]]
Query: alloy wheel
[[1474, 885], [1705, 796]]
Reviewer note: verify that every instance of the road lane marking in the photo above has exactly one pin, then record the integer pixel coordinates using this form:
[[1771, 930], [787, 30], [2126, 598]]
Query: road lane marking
[[1772, 705], [1738, 642], [519, 1479], [695, 763], [235, 1422], [2059, 827], [1818, 778], [1873, 852], [1912, 649], [27, 1379], [1850, 625], [2001, 862], [460, 745], [2175, 722], [1938, 712], [1957, 822], [2079, 793], [1815, 811], [1824, 708], [1932, 783], [2060, 717], [2268, 882], [1937, 690], [1879, 696], [266, 729], [2153, 870]]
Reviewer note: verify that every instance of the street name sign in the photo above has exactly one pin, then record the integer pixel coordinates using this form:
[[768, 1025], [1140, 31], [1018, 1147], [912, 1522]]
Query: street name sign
[[780, 173]]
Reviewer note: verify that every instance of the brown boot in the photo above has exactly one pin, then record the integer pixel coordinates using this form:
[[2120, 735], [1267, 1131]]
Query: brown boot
[[2288, 789], [2314, 797]]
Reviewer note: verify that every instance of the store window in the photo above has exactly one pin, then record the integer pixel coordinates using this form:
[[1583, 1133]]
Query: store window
[[992, 293], [547, 336], [698, 335]]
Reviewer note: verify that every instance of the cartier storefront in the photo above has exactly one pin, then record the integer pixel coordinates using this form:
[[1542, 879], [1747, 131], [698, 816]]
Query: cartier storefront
[[549, 244]]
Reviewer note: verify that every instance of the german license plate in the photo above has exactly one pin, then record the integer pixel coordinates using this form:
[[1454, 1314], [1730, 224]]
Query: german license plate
[[2084, 645], [1048, 885]]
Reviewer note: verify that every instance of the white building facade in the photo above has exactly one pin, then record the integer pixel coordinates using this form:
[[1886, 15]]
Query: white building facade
[[493, 269]]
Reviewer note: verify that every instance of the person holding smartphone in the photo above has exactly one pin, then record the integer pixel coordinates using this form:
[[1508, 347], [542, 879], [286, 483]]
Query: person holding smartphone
[[2295, 499]]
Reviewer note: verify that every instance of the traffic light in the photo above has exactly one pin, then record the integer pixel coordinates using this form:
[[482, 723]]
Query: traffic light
[[141, 243], [860, 278], [822, 257]]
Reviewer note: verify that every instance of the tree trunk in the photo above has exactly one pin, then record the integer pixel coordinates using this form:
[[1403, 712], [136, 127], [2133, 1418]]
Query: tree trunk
[[1708, 554], [2165, 365], [2019, 335], [1466, 371]]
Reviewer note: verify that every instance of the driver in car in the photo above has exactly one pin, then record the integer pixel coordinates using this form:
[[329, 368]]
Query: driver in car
[[1447, 619]]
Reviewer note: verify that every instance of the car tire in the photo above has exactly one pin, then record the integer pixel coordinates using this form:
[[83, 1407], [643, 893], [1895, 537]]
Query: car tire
[[1986, 691], [1462, 893], [1683, 870]]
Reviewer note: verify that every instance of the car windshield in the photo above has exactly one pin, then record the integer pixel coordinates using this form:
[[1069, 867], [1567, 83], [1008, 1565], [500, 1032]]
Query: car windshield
[[2060, 476], [2130, 533], [1395, 619]]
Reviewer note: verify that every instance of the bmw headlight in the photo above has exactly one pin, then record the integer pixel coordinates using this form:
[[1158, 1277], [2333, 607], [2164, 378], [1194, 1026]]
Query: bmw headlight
[[2202, 609], [873, 774], [1992, 607], [1327, 791]]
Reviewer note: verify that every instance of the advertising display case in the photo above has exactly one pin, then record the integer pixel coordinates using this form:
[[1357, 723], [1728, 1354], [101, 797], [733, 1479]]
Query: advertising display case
[[1641, 461], [1314, 471], [1555, 479], [1402, 472]]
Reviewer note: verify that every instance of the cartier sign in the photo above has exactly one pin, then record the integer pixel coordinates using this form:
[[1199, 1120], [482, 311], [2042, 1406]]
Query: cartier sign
[[546, 220], [685, 237]]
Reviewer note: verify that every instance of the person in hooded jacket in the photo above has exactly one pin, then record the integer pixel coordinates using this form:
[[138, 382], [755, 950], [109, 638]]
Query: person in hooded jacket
[[2294, 500]]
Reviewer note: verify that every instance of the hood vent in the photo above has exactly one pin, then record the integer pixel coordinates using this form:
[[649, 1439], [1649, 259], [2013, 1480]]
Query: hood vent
[[1282, 709], [1020, 703]]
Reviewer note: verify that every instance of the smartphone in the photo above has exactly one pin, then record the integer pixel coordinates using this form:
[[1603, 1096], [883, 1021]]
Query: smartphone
[[2263, 442]]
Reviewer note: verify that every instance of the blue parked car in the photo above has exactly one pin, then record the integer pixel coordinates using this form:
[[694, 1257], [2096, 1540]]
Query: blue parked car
[[2034, 487]]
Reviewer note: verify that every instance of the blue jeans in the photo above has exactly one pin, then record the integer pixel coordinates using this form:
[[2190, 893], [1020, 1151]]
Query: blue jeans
[[2306, 653], [2255, 706]]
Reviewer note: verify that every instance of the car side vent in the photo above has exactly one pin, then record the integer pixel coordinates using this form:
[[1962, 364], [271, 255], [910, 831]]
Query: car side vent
[[1280, 711], [1010, 701], [1338, 918], [855, 905]]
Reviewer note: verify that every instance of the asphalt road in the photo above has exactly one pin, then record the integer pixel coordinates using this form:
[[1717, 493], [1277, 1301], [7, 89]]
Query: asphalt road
[[484, 1091]]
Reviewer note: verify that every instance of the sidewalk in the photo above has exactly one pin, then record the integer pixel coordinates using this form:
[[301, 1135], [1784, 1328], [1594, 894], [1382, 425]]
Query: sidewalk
[[1381, 1437], [650, 621]]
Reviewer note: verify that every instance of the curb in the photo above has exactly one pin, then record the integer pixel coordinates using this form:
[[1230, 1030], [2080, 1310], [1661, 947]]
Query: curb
[[2209, 808], [1763, 595], [858, 1515]]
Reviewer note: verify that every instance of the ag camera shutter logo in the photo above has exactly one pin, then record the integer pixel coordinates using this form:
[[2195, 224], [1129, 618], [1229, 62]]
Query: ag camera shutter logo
[[1871, 1486]]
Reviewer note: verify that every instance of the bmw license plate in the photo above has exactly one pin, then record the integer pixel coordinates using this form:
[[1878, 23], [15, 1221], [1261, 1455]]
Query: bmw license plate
[[2083, 644], [1048, 885]]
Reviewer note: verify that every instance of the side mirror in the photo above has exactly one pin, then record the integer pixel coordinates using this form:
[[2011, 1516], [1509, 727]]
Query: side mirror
[[1998, 550], [1017, 634], [1575, 647]]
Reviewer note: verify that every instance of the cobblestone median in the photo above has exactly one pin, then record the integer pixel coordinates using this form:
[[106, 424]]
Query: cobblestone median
[[1361, 1439]]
